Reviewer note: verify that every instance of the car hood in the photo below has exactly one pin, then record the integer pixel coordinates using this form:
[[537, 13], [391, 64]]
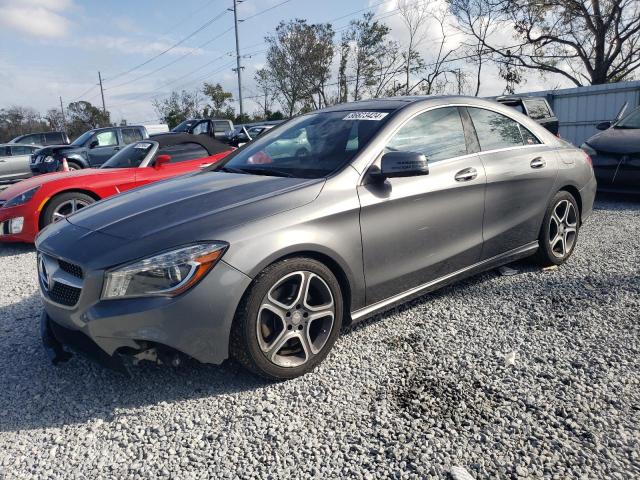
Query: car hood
[[195, 204], [616, 140], [84, 177], [48, 150]]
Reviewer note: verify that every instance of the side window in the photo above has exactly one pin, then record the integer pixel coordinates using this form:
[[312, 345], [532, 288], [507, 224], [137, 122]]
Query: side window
[[537, 109], [31, 140], [130, 135], [528, 137], [438, 134], [53, 138], [184, 152], [107, 138], [5, 151], [202, 127], [495, 130], [221, 127], [20, 150]]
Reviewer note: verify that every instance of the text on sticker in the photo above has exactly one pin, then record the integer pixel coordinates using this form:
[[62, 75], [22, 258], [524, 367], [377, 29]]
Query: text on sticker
[[375, 116]]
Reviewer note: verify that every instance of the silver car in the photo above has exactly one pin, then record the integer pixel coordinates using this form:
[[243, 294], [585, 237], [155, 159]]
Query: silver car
[[264, 259], [14, 161]]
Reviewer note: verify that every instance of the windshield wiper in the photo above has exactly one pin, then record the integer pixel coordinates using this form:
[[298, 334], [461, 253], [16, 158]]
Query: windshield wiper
[[231, 170], [272, 172], [625, 127]]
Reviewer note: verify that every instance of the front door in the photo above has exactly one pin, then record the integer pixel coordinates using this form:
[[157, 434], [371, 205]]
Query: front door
[[521, 172], [106, 147], [417, 229]]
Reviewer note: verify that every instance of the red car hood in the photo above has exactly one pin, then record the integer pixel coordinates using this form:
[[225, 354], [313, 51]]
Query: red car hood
[[83, 176]]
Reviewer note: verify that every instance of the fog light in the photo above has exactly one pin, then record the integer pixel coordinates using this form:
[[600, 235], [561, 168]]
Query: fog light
[[16, 224]]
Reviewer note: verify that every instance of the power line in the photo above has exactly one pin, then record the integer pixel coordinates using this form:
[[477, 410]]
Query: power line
[[196, 31], [264, 11]]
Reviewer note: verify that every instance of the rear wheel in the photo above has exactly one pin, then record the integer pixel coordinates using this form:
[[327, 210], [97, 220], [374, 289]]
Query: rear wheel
[[65, 204], [289, 319], [559, 233]]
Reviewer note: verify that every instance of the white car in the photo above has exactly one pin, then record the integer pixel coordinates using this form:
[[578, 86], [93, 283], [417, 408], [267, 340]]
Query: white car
[[14, 161]]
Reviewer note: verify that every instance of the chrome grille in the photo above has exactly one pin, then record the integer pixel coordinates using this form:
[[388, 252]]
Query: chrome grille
[[60, 281]]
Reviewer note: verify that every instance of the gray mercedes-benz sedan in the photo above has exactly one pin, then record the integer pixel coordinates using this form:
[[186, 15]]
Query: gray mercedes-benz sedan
[[324, 220]]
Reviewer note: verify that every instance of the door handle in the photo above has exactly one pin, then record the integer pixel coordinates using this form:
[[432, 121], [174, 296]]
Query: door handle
[[538, 162], [116, 149], [466, 174]]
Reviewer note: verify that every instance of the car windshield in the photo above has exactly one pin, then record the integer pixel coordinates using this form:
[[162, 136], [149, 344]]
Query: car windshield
[[184, 126], [131, 156], [82, 139], [630, 121], [310, 146]]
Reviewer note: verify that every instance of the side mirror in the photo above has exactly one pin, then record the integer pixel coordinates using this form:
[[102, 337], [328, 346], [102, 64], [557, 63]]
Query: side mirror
[[603, 125], [94, 144], [161, 160], [402, 164]]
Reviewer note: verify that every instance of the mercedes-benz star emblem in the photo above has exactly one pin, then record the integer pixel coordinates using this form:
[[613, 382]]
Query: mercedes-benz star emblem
[[42, 272]]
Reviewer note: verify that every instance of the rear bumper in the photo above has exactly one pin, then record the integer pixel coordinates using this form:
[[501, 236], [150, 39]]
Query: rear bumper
[[588, 195]]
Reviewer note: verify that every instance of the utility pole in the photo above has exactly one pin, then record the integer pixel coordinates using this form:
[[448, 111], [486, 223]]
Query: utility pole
[[239, 67], [104, 108], [64, 121]]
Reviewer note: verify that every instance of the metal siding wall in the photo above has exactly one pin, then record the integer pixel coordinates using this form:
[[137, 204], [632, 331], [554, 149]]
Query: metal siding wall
[[581, 109]]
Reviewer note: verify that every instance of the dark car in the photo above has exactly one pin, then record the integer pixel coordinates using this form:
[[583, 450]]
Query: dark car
[[89, 150], [215, 128], [43, 138], [615, 153], [264, 257], [536, 108]]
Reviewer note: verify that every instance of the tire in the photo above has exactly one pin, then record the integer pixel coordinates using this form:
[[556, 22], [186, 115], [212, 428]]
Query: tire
[[73, 165], [289, 344], [62, 205], [559, 231]]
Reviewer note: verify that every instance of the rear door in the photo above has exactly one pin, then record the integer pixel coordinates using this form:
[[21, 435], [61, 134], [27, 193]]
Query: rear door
[[417, 229], [185, 158], [108, 145], [5, 163], [521, 172]]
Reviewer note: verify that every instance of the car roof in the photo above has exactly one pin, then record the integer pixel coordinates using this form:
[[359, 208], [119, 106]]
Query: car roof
[[211, 145]]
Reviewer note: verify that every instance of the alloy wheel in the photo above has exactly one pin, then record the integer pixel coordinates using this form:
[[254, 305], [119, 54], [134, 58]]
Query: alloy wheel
[[563, 227], [295, 319], [67, 208]]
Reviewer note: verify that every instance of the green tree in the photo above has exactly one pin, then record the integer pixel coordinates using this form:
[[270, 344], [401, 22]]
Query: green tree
[[219, 101], [83, 116], [178, 107]]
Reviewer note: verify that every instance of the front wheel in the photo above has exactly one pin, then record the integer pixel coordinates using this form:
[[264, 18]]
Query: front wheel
[[65, 204], [289, 319], [559, 232]]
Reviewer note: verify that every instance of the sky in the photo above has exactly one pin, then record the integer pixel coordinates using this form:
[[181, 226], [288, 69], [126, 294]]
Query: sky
[[53, 48]]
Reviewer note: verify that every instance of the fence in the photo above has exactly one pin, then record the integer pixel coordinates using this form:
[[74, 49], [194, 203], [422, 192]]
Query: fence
[[580, 109]]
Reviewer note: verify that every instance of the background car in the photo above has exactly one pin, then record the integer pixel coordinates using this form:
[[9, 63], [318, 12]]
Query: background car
[[214, 128], [14, 161], [243, 135], [536, 108], [263, 259], [89, 150], [615, 153], [43, 138], [32, 204]]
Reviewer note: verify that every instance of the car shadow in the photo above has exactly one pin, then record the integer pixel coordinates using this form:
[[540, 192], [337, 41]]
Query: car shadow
[[35, 394], [11, 249]]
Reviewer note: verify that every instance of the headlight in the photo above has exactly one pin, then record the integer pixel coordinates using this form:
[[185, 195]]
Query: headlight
[[22, 198], [166, 274], [588, 149], [49, 159]]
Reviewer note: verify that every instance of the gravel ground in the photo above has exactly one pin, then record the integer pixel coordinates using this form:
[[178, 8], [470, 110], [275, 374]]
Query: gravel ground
[[533, 375]]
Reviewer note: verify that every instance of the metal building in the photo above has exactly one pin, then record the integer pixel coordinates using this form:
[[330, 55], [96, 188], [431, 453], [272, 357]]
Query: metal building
[[580, 109]]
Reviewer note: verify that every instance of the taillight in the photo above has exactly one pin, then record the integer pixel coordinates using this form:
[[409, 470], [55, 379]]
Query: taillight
[[588, 158]]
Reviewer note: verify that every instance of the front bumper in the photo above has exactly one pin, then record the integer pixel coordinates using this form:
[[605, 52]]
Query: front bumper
[[196, 323], [29, 227], [42, 167]]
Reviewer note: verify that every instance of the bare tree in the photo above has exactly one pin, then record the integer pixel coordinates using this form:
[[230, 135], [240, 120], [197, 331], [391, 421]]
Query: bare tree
[[267, 91], [586, 41], [414, 15], [477, 19]]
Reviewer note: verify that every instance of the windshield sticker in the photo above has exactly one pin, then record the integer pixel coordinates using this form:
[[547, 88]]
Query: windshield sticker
[[143, 146], [375, 116]]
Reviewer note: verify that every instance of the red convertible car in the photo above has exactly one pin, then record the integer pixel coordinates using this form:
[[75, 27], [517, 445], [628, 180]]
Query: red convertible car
[[28, 206]]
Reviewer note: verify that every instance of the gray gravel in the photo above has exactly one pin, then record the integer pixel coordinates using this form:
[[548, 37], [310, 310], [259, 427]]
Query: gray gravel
[[526, 376]]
